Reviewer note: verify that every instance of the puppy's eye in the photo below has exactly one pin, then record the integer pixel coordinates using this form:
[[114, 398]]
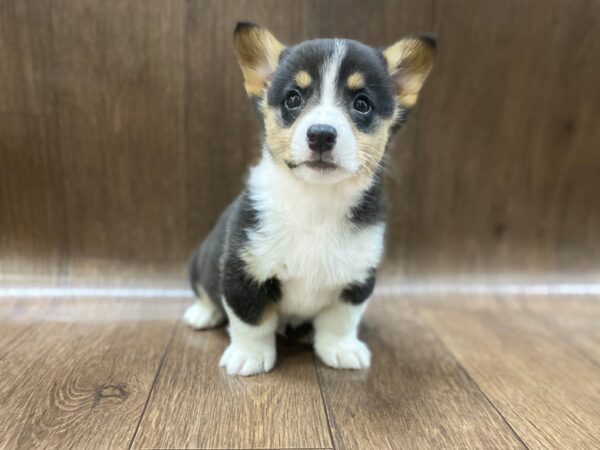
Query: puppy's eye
[[292, 100], [362, 104]]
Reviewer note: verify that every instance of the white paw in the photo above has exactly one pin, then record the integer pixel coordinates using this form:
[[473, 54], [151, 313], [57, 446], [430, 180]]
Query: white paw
[[238, 361], [203, 314], [348, 353]]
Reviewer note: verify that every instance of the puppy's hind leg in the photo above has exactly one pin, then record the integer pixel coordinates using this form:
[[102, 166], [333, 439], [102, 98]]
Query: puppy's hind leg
[[204, 313]]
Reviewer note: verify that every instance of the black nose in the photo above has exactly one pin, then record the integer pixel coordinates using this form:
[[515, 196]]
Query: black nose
[[321, 138]]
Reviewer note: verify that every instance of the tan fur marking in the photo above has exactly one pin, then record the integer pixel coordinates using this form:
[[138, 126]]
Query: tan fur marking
[[371, 146], [258, 53], [303, 79], [409, 62], [356, 81], [277, 138]]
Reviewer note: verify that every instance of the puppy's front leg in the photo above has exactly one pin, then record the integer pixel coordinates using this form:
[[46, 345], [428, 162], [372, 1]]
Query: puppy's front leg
[[253, 319], [336, 328], [252, 348], [336, 340]]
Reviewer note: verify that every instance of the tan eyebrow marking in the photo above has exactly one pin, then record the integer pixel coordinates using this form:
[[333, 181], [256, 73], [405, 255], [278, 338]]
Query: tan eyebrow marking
[[356, 81], [303, 79]]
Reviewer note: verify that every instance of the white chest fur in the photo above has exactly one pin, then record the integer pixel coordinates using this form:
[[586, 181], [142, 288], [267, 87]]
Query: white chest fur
[[306, 240]]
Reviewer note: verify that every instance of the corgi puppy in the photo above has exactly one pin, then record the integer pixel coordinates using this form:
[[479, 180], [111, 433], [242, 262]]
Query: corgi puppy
[[302, 242]]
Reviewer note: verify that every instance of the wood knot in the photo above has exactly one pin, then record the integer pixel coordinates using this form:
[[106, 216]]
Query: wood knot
[[500, 230], [117, 391], [568, 126]]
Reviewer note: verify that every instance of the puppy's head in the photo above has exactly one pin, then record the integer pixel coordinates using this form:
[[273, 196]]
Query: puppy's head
[[329, 106]]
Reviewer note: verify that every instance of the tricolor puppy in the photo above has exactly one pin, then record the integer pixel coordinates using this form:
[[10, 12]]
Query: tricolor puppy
[[302, 241]]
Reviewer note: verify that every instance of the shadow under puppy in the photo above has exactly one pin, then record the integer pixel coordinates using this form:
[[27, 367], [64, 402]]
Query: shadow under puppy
[[302, 241]]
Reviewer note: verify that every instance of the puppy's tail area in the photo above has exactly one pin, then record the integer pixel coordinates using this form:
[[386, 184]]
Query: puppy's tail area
[[193, 273]]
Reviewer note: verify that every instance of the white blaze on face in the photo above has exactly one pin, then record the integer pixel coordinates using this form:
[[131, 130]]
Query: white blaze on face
[[330, 112]]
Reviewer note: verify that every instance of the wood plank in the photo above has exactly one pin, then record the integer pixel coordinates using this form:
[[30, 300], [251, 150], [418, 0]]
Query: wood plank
[[196, 405], [577, 320], [11, 335], [414, 396], [82, 381], [547, 390], [16, 318]]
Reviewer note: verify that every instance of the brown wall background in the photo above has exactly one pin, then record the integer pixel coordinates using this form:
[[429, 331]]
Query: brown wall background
[[124, 131]]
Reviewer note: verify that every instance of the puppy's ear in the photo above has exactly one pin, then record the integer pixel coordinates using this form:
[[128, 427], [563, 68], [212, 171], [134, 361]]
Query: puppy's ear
[[409, 62], [258, 52]]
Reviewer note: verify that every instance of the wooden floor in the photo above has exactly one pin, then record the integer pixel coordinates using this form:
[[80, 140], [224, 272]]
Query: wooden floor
[[470, 372]]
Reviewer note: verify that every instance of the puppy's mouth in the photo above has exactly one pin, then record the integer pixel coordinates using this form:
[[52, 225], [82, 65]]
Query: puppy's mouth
[[321, 165], [316, 163]]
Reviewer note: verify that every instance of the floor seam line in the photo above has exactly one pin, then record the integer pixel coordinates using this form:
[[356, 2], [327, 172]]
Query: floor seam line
[[329, 420], [470, 378], [154, 381]]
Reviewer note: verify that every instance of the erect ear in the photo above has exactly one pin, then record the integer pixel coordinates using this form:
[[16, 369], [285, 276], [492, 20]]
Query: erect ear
[[258, 52], [409, 62]]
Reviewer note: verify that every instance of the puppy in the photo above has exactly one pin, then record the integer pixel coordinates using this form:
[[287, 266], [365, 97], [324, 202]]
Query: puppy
[[302, 242]]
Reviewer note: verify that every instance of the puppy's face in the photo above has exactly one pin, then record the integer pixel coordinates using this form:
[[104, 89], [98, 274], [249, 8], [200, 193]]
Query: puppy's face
[[329, 106]]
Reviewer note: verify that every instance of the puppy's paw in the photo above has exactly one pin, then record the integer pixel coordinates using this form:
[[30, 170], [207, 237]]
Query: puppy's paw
[[203, 314], [244, 362], [349, 353]]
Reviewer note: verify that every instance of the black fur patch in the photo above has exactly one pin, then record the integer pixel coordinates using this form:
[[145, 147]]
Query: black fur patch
[[307, 56], [205, 265], [356, 293], [218, 268], [378, 87], [295, 333], [245, 296], [371, 208]]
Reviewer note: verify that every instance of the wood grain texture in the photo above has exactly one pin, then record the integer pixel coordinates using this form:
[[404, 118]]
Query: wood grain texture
[[119, 69], [508, 171], [125, 131], [115, 373], [16, 317], [77, 380], [32, 237], [196, 405], [576, 320], [546, 390], [414, 396]]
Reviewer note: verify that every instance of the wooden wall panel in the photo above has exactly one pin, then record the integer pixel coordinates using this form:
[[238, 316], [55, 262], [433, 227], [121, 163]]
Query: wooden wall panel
[[119, 70], [32, 234], [125, 131], [510, 141]]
